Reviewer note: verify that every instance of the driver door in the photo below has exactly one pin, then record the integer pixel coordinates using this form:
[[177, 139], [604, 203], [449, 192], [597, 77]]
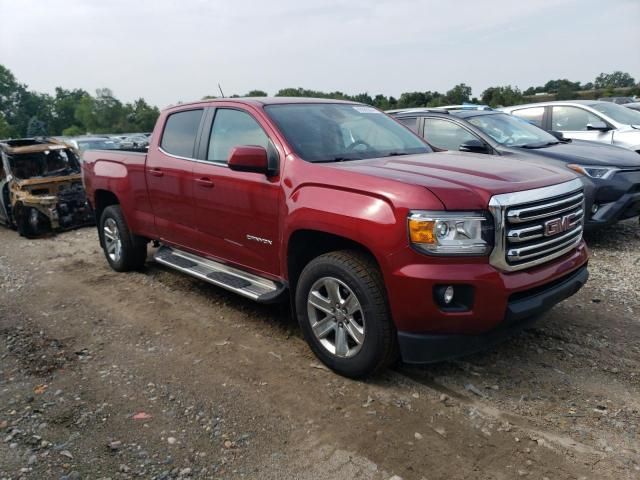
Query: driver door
[[446, 135]]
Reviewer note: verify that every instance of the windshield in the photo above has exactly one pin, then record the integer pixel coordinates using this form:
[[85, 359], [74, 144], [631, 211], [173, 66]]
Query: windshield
[[511, 131], [49, 163], [326, 132], [619, 113]]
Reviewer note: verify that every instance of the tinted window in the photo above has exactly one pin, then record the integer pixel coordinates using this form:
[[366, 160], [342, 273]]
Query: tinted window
[[233, 128], [445, 134], [571, 119], [180, 132], [411, 123], [333, 132], [532, 115]]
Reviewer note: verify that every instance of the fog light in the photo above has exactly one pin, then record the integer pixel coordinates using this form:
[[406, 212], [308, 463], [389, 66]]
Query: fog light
[[448, 295], [594, 208]]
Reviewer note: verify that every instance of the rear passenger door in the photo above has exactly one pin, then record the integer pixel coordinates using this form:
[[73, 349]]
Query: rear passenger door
[[169, 176], [237, 212]]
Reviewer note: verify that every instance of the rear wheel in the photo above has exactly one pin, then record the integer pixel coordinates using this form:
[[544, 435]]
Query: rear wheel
[[342, 309], [123, 250]]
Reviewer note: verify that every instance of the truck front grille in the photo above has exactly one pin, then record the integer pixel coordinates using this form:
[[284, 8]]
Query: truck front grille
[[536, 226]]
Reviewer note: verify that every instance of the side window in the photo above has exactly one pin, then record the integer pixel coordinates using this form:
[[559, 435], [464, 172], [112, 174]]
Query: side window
[[180, 132], [571, 119], [532, 115], [446, 134], [233, 128], [411, 123]]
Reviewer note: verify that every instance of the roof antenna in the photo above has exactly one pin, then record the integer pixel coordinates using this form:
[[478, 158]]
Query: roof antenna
[[220, 88]]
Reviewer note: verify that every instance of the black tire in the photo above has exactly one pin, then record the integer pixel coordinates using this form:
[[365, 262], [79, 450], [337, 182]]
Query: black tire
[[133, 249], [361, 275], [27, 228]]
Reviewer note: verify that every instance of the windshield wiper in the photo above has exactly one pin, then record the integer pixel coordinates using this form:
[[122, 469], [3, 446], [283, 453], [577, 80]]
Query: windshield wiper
[[396, 154], [538, 145], [337, 159]]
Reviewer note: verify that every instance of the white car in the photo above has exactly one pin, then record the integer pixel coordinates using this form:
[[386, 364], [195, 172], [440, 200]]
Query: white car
[[604, 122]]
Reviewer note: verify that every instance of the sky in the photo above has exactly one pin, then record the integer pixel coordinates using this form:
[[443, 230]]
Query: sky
[[168, 51]]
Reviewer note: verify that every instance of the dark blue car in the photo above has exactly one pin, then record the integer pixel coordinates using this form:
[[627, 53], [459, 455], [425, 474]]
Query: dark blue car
[[611, 175]]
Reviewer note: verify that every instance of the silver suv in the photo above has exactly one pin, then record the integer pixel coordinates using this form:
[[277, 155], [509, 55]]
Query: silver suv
[[604, 122]]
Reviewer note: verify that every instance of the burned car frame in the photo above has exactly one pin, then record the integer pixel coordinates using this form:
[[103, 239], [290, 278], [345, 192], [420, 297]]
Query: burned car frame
[[41, 187]]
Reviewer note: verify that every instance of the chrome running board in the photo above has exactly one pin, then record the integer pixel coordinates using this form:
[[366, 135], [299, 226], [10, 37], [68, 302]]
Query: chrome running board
[[244, 283]]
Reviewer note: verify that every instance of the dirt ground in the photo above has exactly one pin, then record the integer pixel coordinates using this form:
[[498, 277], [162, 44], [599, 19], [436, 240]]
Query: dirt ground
[[157, 375]]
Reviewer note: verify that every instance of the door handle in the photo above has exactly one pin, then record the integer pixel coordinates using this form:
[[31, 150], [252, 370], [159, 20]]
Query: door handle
[[204, 182], [156, 172]]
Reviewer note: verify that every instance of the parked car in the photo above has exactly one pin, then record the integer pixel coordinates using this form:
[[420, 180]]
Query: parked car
[[40, 187], [379, 243], [92, 143], [136, 142], [618, 100], [633, 106], [611, 174], [603, 122]]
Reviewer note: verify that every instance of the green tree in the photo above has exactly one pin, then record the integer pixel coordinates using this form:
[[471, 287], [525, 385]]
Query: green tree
[[616, 79], [73, 131], [6, 131], [257, 93], [565, 92], [553, 86], [461, 93], [65, 103], [502, 96]]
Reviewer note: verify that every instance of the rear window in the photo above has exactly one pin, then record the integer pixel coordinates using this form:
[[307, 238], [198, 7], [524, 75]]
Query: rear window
[[180, 132]]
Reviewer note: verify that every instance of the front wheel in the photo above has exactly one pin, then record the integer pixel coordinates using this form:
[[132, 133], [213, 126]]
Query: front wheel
[[123, 250], [342, 309]]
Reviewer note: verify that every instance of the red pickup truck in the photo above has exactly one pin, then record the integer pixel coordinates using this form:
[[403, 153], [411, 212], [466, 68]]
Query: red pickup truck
[[384, 247]]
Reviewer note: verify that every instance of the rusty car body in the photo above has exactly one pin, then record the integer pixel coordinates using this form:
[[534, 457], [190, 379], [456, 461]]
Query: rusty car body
[[41, 187]]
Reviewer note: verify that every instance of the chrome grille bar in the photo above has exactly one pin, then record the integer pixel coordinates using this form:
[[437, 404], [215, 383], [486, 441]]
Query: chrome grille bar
[[535, 226]]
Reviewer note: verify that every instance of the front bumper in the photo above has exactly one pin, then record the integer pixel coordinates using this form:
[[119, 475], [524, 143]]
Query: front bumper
[[617, 198], [522, 309]]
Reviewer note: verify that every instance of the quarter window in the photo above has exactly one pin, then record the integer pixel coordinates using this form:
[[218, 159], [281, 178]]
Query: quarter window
[[233, 128], [571, 119], [532, 115], [411, 123], [445, 134], [180, 133]]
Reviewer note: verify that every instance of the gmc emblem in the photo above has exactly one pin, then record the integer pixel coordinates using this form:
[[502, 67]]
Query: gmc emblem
[[557, 225]]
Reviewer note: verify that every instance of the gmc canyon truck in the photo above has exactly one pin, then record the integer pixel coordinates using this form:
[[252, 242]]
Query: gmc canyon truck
[[383, 247]]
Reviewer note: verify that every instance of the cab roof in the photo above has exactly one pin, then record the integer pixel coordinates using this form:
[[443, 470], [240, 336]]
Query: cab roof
[[260, 101]]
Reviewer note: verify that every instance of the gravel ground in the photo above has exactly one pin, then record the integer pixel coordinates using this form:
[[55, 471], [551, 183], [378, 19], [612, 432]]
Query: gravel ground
[[157, 375]]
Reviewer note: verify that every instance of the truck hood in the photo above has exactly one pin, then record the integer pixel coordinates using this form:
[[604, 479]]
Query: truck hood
[[586, 153], [462, 181]]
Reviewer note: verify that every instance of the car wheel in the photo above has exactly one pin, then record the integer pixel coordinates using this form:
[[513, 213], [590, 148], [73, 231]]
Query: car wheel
[[342, 309], [30, 223], [123, 250]]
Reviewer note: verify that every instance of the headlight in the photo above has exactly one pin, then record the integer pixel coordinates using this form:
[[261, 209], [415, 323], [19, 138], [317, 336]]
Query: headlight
[[451, 233], [594, 172]]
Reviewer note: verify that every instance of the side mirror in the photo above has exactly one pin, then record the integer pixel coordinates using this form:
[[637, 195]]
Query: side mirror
[[598, 125], [249, 159], [558, 135], [474, 145]]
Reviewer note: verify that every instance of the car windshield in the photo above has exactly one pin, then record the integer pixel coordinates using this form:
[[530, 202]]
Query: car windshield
[[512, 131], [620, 114], [333, 132], [49, 163]]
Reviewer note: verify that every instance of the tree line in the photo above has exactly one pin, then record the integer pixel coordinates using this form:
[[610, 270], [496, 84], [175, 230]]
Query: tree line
[[24, 112]]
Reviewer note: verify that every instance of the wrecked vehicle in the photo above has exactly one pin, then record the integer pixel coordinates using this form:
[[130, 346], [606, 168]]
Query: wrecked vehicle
[[41, 188]]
